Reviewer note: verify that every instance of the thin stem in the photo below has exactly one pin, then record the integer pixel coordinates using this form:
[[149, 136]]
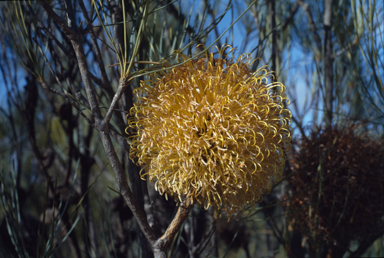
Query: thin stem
[[182, 213]]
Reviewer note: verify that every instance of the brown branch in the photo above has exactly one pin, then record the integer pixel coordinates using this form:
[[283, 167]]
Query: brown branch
[[84, 71], [182, 213], [300, 126], [118, 31], [305, 7], [62, 24], [124, 188], [348, 47], [328, 61], [96, 80], [86, 77], [102, 125], [28, 111], [124, 82], [73, 103], [54, 38], [105, 84], [50, 89], [291, 15], [62, 73], [104, 81], [103, 128]]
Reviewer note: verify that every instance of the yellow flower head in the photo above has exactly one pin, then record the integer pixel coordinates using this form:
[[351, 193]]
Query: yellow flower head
[[211, 130]]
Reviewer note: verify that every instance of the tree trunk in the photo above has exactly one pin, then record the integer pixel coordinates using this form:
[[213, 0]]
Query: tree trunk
[[328, 61]]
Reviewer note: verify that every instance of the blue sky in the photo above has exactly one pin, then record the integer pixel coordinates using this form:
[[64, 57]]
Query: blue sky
[[295, 84]]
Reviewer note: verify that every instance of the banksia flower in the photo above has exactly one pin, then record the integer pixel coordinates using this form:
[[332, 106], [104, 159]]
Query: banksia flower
[[335, 189], [212, 131]]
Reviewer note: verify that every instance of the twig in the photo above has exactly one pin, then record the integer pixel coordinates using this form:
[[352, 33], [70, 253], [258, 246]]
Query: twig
[[206, 237], [124, 82], [61, 86], [62, 24], [300, 126], [44, 85], [182, 213], [103, 128], [51, 36], [63, 73], [143, 62], [179, 16], [291, 15], [124, 188], [210, 12], [305, 7], [104, 81], [348, 47]]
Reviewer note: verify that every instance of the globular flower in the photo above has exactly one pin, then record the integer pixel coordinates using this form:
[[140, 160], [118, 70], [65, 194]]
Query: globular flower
[[211, 130]]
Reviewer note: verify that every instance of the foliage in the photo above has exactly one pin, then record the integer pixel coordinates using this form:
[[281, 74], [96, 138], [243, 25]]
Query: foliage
[[69, 70]]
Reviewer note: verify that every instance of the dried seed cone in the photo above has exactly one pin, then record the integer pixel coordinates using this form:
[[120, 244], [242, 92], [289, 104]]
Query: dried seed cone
[[336, 186], [211, 130]]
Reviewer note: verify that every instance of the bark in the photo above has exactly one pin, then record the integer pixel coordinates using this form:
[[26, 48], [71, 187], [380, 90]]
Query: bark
[[159, 245], [328, 61], [133, 170]]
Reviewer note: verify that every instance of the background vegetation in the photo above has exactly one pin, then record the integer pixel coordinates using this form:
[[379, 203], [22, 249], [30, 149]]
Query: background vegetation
[[68, 69]]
